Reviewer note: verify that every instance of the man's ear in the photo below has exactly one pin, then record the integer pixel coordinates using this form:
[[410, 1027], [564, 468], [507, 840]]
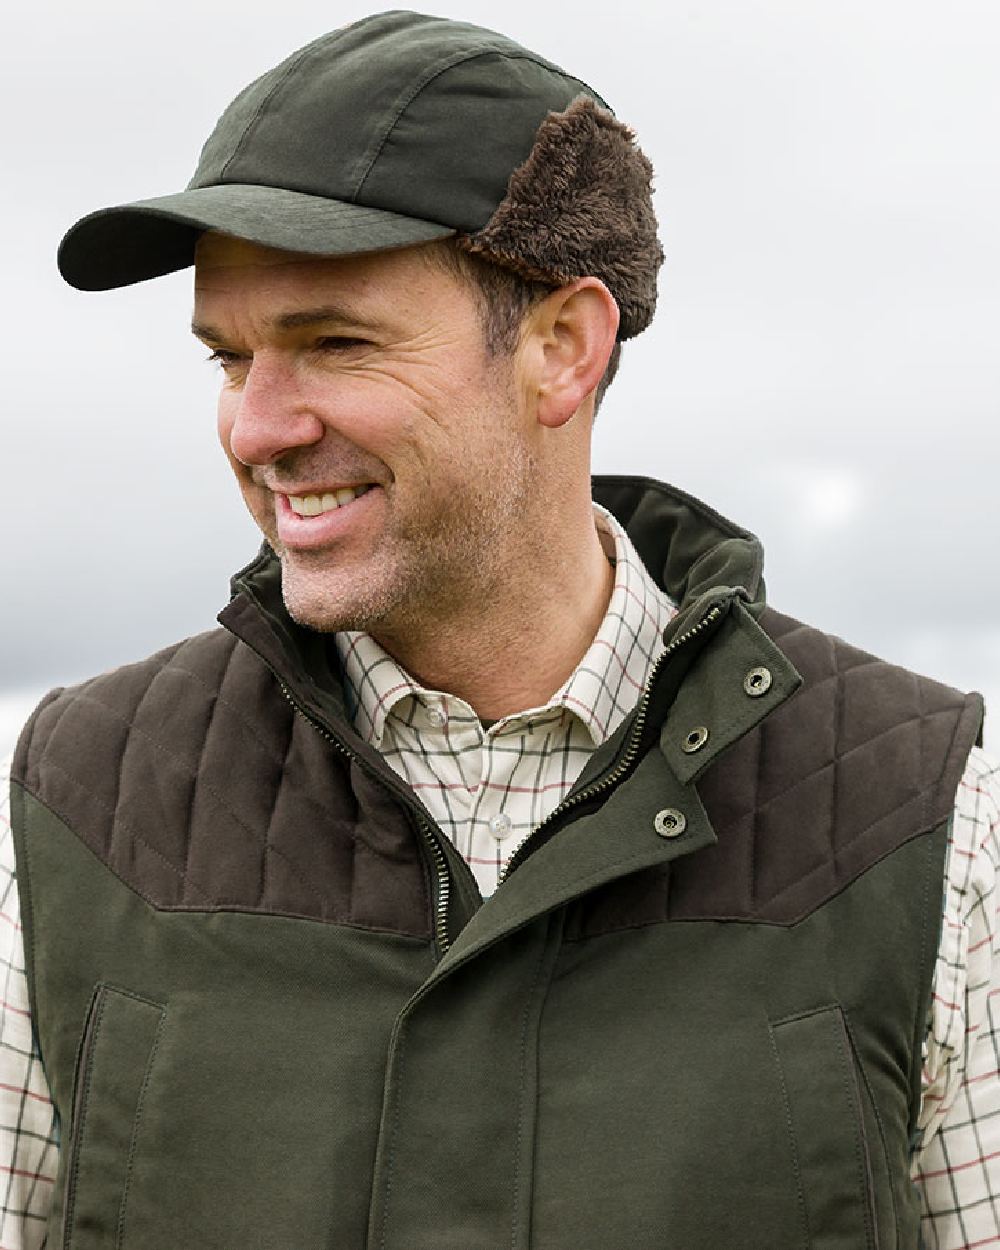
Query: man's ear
[[570, 338]]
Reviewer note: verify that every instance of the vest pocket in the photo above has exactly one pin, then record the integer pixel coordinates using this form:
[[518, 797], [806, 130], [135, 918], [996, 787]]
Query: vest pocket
[[826, 1127], [116, 1056]]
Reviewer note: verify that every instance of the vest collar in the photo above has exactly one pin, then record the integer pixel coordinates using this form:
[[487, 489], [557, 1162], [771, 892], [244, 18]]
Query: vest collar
[[712, 569], [691, 551], [709, 566]]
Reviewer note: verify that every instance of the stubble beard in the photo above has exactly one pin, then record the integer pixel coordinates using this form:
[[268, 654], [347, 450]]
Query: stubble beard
[[445, 565]]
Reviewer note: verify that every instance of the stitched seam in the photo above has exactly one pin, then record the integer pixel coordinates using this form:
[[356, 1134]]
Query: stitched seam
[[800, 781], [129, 1167], [239, 715], [755, 821], [920, 1020], [573, 883], [853, 1101], [214, 905], [838, 737], [878, 1124], [165, 751], [167, 754], [259, 110], [23, 873], [796, 1016], [352, 899], [33, 749], [522, 1065], [950, 753], [193, 791], [317, 894], [124, 824], [843, 756], [922, 745], [825, 866], [121, 767], [183, 766], [393, 1130], [458, 58], [792, 1143], [78, 1129], [278, 758]]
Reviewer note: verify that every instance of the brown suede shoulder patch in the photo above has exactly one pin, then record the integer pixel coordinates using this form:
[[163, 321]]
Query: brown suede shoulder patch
[[201, 788], [862, 758]]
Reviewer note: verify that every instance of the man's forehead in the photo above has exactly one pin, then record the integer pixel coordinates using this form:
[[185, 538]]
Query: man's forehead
[[219, 251], [223, 251], [288, 288]]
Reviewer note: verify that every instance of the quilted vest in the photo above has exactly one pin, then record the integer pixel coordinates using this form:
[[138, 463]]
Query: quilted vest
[[275, 1014]]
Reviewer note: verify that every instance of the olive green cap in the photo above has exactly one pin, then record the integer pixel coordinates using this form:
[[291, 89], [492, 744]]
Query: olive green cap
[[396, 130]]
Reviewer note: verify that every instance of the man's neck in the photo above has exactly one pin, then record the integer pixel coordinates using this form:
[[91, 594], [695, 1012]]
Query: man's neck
[[515, 649]]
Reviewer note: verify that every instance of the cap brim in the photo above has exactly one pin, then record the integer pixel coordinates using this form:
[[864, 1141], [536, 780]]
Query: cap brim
[[132, 242]]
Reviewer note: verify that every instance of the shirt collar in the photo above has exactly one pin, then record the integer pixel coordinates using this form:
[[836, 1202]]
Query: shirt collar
[[599, 693], [608, 681]]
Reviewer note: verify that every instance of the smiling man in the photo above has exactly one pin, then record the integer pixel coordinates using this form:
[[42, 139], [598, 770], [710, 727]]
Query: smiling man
[[504, 870], [389, 459]]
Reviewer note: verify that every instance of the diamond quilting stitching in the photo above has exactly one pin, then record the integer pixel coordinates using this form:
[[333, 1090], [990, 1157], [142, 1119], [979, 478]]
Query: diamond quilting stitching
[[884, 767]]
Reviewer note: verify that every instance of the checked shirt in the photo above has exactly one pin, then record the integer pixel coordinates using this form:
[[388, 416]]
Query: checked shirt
[[488, 787]]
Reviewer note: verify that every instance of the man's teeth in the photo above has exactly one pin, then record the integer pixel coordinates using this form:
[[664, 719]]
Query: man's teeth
[[313, 505]]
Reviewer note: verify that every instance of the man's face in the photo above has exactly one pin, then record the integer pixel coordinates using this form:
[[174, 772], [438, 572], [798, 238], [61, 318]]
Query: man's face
[[384, 454]]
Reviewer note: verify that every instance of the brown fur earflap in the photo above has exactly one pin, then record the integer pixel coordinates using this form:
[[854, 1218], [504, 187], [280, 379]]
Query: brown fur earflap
[[581, 205]]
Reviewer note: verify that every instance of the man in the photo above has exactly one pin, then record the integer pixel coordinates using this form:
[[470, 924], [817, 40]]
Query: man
[[504, 871]]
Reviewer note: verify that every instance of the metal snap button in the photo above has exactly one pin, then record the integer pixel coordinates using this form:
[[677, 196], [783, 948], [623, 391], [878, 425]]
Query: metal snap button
[[695, 740], [757, 681], [670, 823], [436, 717]]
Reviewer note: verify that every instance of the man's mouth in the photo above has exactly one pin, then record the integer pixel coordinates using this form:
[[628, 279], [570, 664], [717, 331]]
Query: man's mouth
[[313, 505]]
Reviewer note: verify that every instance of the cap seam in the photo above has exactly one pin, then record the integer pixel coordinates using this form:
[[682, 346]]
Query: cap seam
[[293, 64], [428, 78]]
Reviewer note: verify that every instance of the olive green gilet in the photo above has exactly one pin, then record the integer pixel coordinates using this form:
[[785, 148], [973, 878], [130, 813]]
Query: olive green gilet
[[275, 1015]]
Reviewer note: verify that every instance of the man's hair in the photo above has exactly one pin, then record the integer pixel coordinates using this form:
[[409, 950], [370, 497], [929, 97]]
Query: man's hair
[[504, 299]]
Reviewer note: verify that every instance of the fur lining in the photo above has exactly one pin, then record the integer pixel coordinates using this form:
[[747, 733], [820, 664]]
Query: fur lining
[[580, 204]]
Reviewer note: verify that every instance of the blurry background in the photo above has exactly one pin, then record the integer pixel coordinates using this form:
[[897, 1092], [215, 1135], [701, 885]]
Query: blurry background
[[824, 368]]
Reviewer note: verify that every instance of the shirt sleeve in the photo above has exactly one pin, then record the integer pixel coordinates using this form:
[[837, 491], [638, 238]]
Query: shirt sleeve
[[957, 1166], [29, 1130]]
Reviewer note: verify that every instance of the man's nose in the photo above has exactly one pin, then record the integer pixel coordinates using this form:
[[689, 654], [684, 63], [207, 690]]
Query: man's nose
[[272, 414]]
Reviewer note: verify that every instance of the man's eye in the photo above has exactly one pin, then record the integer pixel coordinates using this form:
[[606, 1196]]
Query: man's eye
[[227, 360], [339, 343]]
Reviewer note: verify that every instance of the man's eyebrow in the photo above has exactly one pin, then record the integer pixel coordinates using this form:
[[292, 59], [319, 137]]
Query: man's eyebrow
[[300, 319], [315, 316], [207, 333]]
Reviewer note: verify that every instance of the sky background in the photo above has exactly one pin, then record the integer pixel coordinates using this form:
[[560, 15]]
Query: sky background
[[824, 366]]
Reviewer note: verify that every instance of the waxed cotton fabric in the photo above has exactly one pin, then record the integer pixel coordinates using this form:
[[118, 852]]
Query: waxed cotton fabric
[[392, 131], [612, 1045]]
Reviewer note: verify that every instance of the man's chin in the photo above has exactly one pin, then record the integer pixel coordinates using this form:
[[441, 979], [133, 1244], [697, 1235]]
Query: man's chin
[[314, 602]]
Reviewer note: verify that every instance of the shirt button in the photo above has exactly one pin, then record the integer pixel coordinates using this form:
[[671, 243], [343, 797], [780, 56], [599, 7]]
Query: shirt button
[[501, 825], [436, 717]]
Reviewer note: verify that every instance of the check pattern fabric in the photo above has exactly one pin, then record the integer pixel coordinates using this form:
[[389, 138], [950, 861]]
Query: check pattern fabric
[[488, 788], [957, 1170], [29, 1128]]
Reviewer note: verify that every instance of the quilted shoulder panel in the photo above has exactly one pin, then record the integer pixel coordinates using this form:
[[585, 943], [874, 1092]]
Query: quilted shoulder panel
[[865, 756], [862, 758], [192, 777]]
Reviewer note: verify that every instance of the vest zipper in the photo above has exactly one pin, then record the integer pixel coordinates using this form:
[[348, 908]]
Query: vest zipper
[[628, 756], [427, 830]]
